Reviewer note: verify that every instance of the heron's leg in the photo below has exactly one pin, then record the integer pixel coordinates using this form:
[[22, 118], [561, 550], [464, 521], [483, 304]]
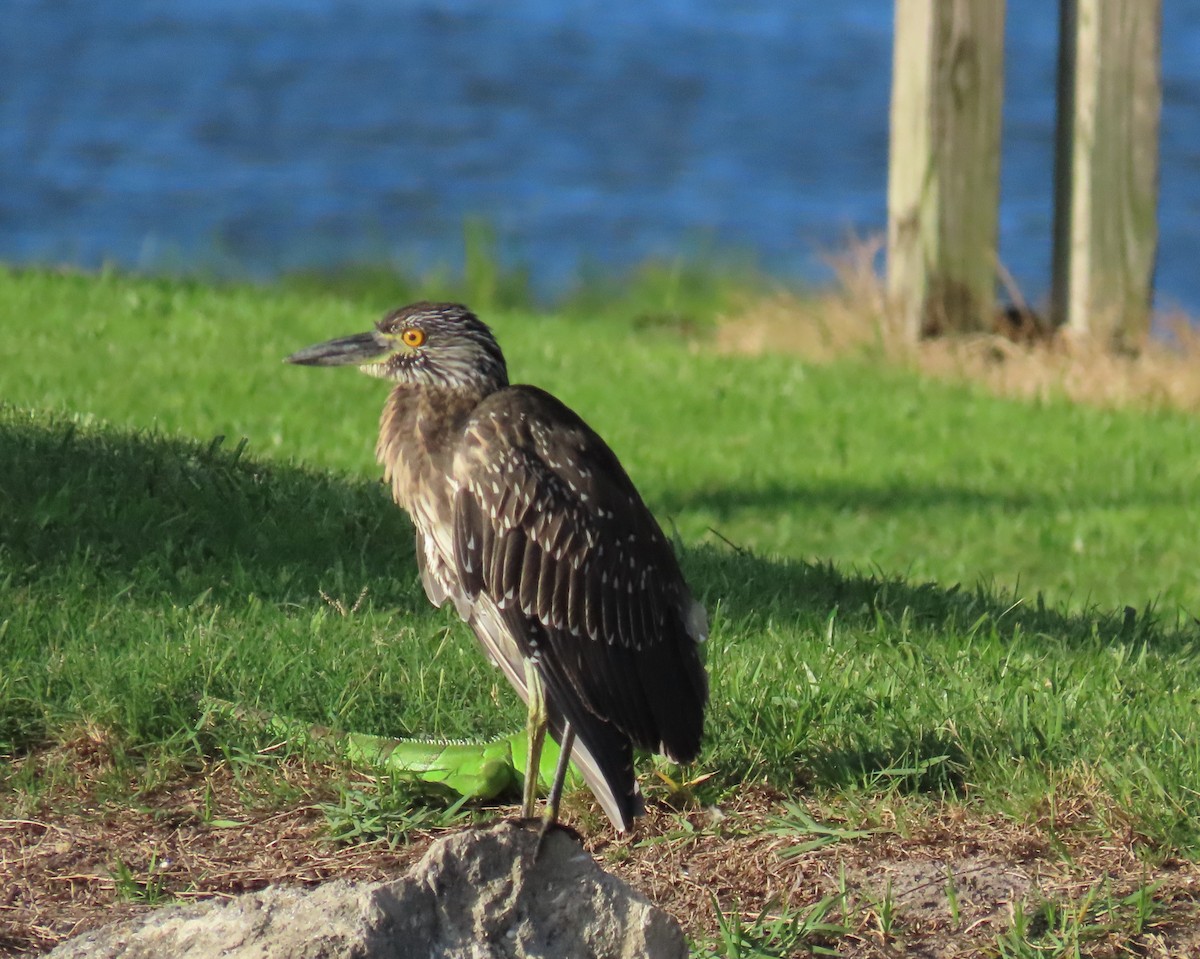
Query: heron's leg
[[535, 728], [560, 776], [550, 816]]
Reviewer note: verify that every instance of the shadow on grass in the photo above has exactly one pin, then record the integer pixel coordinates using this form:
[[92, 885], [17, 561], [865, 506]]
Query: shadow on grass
[[925, 761], [727, 502], [175, 517], [170, 515], [779, 499], [753, 589]]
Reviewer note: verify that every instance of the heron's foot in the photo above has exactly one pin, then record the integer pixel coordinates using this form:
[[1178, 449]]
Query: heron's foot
[[548, 826], [541, 841]]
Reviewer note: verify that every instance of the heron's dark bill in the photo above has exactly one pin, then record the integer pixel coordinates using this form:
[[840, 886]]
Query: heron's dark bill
[[346, 351]]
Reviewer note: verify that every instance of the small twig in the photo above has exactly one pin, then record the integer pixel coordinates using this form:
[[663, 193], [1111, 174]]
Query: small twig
[[740, 550]]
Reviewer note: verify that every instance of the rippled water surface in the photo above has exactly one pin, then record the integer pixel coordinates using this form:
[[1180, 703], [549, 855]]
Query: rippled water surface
[[259, 135]]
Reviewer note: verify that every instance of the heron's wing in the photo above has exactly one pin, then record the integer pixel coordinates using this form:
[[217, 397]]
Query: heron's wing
[[549, 526]]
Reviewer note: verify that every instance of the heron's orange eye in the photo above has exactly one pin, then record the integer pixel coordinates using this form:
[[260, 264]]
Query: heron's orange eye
[[412, 337]]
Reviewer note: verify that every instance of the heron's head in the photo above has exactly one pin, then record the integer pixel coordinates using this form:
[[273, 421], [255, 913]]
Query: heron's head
[[430, 344]]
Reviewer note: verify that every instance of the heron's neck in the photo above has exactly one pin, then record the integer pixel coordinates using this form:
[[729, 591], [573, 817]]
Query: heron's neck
[[418, 431]]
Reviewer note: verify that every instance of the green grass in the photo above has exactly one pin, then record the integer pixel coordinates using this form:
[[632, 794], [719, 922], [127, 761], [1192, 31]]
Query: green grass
[[1056, 929], [915, 589], [778, 931]]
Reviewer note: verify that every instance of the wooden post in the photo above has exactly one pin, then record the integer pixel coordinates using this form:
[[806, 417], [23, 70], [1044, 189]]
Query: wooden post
[[944, 167], [1106, 167]]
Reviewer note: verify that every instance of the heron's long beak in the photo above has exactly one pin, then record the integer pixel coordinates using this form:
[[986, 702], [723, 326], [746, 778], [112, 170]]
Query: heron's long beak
[[347, 351]]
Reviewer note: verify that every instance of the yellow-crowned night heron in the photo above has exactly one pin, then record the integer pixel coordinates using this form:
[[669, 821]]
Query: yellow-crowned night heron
[[527, 522]]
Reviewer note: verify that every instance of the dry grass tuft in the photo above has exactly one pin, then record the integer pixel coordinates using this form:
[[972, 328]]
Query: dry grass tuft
[[850, 321], [1019, 357]]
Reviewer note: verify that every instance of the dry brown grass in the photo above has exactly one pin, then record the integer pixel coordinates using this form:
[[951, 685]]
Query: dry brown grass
[[1015, 359]]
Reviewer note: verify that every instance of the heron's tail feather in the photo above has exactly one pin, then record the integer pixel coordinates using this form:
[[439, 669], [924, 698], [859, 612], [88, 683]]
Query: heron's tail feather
[[604, 755]]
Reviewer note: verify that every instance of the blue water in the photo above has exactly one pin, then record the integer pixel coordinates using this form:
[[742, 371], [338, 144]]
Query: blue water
[[252, 136]]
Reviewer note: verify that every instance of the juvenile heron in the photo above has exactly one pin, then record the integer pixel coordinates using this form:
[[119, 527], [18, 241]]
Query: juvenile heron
[[527, 522]]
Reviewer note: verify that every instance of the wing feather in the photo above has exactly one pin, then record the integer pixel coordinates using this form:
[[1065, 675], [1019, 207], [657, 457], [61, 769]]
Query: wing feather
[[507, 587], [545, 589], [595, 602], [466, 558], [527, 582], [576, 604], [488, 547]]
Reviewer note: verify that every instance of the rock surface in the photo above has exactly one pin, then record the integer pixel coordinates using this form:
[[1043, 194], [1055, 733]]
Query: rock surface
[[479, 894]]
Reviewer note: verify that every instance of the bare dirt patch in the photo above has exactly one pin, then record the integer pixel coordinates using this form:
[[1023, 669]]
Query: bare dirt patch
[[945, 886]]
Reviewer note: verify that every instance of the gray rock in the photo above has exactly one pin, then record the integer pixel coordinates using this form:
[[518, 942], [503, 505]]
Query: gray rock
[[478, 894]]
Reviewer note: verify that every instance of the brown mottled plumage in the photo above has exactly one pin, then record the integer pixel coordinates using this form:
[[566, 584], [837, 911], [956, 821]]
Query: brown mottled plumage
[[527, 522]]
